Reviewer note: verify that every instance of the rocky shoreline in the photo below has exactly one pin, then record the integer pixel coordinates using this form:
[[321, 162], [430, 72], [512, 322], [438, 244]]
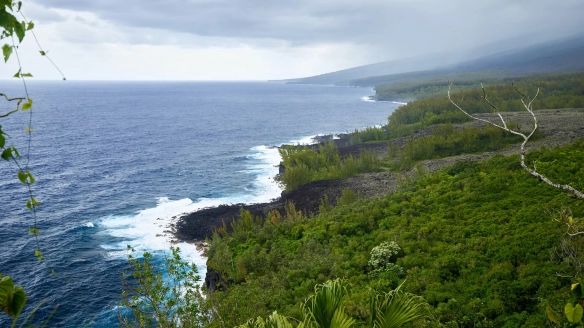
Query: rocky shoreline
[[559, 127]]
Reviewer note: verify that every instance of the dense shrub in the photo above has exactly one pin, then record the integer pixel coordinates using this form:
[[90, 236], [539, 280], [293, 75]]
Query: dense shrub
[[475, 239], [303, 164]]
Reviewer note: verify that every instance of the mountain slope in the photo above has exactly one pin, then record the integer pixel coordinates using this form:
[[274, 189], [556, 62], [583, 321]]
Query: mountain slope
[[425, 62], [563, 55]]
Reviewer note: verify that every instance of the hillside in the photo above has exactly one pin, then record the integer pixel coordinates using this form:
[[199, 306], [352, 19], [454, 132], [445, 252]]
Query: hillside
[[388, 67], [558, 128], [478, 236], [416, 63], [555, 56]]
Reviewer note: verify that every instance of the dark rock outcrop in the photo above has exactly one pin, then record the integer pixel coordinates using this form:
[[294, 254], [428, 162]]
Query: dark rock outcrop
[[214, 281]]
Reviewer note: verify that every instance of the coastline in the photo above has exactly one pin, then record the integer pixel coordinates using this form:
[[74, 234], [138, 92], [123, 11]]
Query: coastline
[[375, 99], [558, 127]]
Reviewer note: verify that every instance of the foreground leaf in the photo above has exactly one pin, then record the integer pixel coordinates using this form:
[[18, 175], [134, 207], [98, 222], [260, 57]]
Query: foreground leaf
[[19, 30], [396, 308], [573, 312], [7, 154], [12, 297], [6, 51], [28, 104], [22, 176], [551, 315], [324, 307]]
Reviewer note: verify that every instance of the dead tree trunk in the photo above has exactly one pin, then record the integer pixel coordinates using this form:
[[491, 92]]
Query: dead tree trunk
[[527, 104]]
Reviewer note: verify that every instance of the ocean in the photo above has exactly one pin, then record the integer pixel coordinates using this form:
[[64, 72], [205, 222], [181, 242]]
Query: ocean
[[116, 161]]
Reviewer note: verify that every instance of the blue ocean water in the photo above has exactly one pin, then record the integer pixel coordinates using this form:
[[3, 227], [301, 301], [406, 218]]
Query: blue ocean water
[[116, 161]]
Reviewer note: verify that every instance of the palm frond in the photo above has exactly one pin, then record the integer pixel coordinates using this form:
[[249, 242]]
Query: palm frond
[[275, 320], [341, 319], [324, 305], [393, 309]]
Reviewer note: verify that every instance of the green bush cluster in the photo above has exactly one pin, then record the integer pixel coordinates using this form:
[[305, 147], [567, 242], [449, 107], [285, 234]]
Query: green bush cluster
[[304, 164], [383, 259], [476, 242], [161, 295], [446, 141], [556, 91], [375, 133], [423, 90]]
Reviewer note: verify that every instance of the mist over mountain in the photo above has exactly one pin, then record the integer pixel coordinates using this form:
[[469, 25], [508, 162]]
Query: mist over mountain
[[496, 60]]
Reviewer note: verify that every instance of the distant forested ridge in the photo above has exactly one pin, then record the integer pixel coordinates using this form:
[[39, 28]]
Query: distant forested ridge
[[559, 85]]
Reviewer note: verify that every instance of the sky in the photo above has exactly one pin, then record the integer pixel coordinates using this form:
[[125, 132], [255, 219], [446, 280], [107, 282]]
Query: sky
[[270, 39]]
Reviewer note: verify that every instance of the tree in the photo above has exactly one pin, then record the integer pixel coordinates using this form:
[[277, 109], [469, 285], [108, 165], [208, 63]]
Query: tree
[[164, 296], [527, 104]]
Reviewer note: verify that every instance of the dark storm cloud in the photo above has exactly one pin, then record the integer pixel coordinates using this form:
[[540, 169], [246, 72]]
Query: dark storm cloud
[[417, 23]]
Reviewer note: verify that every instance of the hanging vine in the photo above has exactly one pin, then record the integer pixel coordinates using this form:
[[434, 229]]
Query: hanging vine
[[13, 32]]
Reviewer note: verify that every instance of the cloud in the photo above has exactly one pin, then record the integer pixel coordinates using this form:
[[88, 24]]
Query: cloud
[[363, 21], [88, 47], [287, 36]]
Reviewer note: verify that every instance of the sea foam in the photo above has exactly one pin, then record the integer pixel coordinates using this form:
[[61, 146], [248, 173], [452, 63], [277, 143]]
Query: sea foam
[[151, 229]]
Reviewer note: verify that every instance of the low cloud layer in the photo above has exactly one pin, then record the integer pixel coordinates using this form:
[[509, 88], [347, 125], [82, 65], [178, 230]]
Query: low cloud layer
[[364, 21], [375, 29]]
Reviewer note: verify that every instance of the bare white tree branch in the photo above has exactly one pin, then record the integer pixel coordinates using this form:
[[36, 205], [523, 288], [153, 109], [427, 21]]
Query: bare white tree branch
[[527, 103]]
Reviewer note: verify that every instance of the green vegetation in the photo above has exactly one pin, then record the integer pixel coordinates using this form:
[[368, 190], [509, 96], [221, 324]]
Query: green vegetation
[[474, 240], [475, 243], [556, 83], [325, 309], [383, 259], [556, 91], [446, 141], [151, 299], [370, 134], [413, 79], [12, 297], [304, 164], [573, 310], [407, 91], [13, 28]]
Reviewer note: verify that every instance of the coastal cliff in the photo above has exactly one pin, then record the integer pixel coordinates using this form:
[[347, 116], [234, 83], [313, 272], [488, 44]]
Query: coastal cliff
[[559, 127]]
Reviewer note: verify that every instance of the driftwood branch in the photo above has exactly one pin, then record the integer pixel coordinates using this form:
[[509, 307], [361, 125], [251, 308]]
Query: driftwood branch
[[527, 104]]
